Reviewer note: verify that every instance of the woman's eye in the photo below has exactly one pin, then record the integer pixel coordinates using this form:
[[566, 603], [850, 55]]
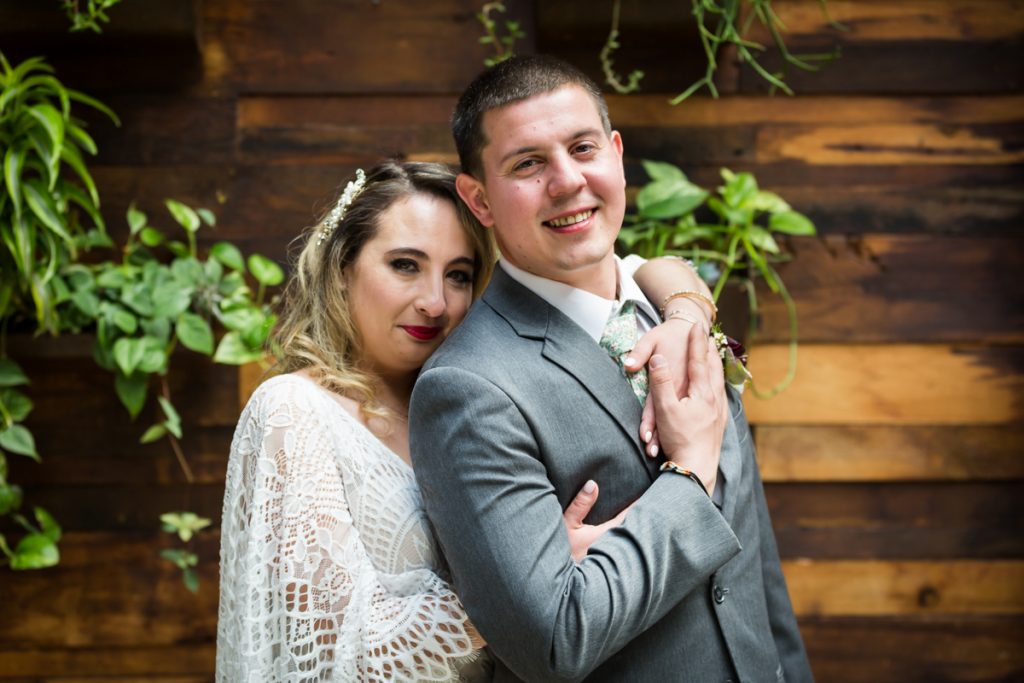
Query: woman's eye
[[461, 277], [405, 265]]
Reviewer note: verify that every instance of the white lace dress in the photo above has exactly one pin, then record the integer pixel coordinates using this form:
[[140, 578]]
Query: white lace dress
[[328, 570]]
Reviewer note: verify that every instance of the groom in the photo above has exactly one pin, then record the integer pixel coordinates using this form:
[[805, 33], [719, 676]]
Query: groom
[[521, 406]]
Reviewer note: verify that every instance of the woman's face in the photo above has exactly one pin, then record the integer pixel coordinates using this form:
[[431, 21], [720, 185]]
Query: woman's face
[[411, 284]]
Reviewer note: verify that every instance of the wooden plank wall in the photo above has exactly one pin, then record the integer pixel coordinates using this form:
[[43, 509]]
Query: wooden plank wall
[[894, 464]]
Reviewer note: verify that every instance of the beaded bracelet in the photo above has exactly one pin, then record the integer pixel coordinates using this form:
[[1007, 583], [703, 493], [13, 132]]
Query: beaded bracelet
[[669, 466], [691, 294]]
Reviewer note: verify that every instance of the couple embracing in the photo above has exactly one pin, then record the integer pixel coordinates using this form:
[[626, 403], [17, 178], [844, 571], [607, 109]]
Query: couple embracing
[[330, 569]]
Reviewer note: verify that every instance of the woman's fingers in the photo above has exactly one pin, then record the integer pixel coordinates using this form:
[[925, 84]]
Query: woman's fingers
[[580, 506]]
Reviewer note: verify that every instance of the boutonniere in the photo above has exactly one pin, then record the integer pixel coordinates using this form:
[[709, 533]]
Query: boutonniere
[[734, 358]]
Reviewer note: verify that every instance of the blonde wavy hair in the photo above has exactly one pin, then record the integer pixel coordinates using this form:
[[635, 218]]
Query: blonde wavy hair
[[315, 331]]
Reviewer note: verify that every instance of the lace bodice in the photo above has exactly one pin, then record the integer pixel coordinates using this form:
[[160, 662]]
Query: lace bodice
[[328, 568]]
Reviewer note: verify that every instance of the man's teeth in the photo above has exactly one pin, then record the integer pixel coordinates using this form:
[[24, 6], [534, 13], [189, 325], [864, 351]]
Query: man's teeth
[[571, 220]]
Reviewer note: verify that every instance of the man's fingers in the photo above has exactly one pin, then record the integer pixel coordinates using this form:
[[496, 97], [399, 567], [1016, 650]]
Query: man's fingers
[[580, 506], [639, 355]]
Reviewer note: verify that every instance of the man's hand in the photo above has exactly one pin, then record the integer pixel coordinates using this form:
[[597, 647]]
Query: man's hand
[[581, 535], [671, 339], [691, 428]]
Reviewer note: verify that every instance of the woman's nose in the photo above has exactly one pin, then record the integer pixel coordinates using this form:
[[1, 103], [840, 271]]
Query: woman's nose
[[431, 301]]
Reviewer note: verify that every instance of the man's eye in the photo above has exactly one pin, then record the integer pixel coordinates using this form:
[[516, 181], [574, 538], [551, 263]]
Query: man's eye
[[585, 148], [405, 265], [525, 165]]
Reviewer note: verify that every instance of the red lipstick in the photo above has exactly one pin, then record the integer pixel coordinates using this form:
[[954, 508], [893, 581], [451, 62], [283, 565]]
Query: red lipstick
[[421, 332]]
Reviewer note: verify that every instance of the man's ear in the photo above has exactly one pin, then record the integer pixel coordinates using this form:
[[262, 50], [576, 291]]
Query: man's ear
[[474, 195]]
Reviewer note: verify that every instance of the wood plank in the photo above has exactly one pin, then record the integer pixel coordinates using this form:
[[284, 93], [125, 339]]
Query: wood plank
[[898, 521], [882, 288], [111, 591], [891, 384], [154, 662], [316, 46], [876, 454], [873, 588], [915, 650]]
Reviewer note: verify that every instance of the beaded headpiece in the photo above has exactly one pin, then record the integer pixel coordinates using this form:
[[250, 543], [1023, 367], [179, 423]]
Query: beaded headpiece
[[352, 191]]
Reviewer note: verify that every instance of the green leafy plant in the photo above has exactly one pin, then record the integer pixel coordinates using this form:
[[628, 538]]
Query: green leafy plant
[[727, 233], [50, 209], [161, 294], [504, 45], [88, 15], [185, 525]]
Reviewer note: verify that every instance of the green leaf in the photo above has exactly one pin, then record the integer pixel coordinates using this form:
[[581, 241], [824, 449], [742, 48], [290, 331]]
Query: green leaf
[[131, 389], [195, 333], [151, 237], [207, 217], [187, 271], [791, 223], [14, 160], [242, 319], [740, 189], [659, 170], [42, 205], [185, 524], [125, 321], [229, 255], [184, 214], [47, 524], [11, 374], [265, 271], [177, 248], [17, 404], [153, 434], [17, 439], [128, 353], [139, 298], [52, 122], [769, 202], [10, 498], [95, 104], [170, 299], [136, 219], [663, 199], [154, 355], [113, 278], [762, 239], [169, 411], [233, 351], [71, 156], [83, 139], [35, 551], [191, 579]]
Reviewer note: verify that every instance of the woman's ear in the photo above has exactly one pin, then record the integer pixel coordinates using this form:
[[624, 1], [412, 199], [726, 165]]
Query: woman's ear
[[474, 195]]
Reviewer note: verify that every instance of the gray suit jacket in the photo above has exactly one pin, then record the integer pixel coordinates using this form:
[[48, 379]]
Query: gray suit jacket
[[512, 415]]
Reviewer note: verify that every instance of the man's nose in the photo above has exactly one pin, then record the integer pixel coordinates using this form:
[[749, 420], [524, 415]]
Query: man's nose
[[565, 176]]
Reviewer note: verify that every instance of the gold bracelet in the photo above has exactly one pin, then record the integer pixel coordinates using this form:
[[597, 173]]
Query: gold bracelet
[[691, 294]]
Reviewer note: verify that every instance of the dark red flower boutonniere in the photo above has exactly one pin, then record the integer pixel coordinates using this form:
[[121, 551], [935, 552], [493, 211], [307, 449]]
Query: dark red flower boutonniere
[[734, 358]]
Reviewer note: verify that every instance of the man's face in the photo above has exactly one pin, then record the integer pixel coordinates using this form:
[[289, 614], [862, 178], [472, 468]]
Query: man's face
[[553, 190]]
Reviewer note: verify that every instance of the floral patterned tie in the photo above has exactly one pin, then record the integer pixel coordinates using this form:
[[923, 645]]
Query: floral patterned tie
[[618, 338]]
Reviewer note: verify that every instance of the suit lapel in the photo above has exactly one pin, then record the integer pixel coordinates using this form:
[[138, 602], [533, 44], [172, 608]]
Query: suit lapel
[[568, 346]]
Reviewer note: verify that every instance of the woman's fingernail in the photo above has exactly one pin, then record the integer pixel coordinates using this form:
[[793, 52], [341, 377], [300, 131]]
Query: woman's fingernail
[[647, 436], [629, 361], [654, 451], [589, 486]]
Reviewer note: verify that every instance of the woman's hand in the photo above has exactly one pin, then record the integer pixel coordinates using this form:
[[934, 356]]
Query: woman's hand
[[671, 340], [691, 428], [581, 535]]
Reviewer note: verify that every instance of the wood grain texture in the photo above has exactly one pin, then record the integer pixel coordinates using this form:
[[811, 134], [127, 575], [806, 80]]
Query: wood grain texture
[[898, 521], [915, 650], [891, 384], [876, 588], [896, 453]]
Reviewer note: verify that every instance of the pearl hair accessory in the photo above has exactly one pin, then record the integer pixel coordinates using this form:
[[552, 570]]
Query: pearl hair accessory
[[352, 191]]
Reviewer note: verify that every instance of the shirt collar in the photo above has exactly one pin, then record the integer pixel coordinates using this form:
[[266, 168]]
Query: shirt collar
[[589, 311]]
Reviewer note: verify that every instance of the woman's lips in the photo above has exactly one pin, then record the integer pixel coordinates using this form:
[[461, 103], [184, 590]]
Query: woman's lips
[[421, 332]]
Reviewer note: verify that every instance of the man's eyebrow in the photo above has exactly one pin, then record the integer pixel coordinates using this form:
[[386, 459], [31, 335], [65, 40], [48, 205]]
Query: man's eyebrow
[[526, 150]]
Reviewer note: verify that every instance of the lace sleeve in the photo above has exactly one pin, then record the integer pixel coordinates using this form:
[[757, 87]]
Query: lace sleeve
[[301, 599]]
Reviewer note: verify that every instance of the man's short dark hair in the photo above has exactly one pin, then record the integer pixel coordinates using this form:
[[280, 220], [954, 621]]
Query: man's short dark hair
[[513, 80]]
